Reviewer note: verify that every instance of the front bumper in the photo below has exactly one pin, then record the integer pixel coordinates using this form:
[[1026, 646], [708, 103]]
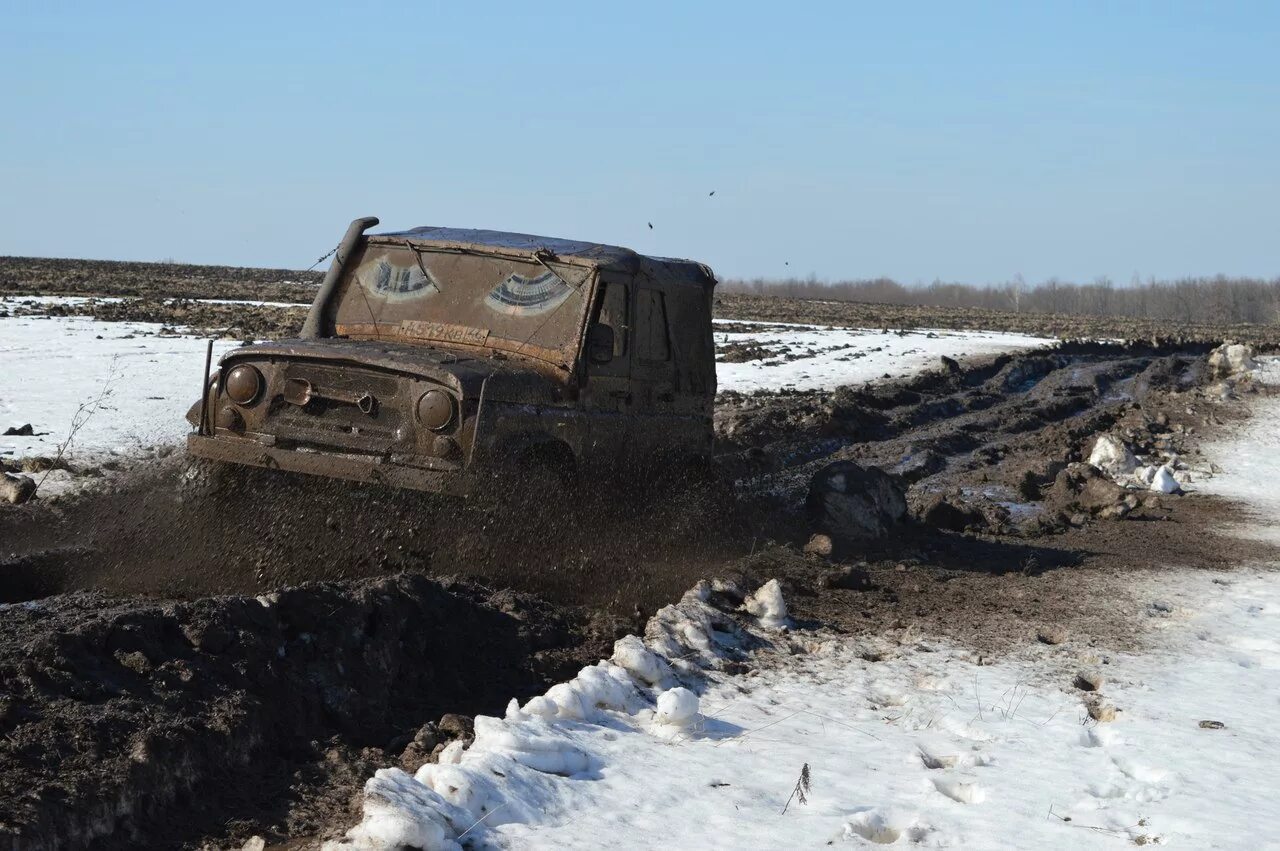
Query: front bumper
[[332, 465]]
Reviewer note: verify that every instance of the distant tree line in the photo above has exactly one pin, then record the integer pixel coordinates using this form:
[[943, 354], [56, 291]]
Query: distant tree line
[[1205, 300]]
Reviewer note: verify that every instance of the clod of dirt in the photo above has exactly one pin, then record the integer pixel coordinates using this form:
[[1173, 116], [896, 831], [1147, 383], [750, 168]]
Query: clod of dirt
[[1212, 725], [819, 545], [454, 726], [854, 504], [1099, 709], [1119, 511], [1089, 680], [420, 748], [1082, 488], [42, 464], [851, 578], [21, 431], [940, 512], [1052, 634], [16, 490]]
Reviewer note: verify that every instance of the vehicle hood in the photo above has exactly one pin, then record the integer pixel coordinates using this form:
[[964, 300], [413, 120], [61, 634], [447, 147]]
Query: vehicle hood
[[507, 379]]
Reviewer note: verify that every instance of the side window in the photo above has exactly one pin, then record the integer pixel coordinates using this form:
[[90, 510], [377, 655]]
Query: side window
[[613, 312], [652, 342]]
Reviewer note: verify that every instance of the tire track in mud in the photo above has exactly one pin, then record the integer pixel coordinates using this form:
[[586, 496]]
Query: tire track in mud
[[943, 424]]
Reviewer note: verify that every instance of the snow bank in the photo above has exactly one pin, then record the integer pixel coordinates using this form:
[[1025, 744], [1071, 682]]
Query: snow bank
[[515, 770], [53, 364]]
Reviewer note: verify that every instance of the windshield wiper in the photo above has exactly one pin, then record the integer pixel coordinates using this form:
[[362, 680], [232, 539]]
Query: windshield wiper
[[373, 318], [540, 255], [417, 258]]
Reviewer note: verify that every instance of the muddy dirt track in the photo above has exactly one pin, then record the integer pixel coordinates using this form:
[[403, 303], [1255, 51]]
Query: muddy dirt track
[[164, 684]]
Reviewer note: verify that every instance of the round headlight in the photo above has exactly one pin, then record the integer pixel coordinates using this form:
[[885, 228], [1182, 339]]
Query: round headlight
[[435, 409], [244, 383]]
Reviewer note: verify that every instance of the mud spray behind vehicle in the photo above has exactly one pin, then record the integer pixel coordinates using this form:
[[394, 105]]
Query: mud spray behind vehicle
[[435, 356]]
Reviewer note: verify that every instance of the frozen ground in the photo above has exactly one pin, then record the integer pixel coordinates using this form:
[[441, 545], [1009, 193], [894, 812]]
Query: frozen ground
[[822, 357], [904, 740]]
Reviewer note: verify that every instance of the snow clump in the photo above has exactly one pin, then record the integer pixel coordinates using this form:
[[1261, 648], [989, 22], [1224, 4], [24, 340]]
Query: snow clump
[[1231, 359], [1112, 456], [677, 707], [768, 606], [1163, 481]]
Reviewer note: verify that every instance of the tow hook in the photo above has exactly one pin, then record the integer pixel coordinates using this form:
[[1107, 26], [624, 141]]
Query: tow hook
[[300, 392]]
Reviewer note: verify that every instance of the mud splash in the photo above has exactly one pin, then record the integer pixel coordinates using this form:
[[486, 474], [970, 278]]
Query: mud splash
[[153, 533]]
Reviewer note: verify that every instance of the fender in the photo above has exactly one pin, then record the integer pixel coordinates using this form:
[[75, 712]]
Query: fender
[[503, 429]]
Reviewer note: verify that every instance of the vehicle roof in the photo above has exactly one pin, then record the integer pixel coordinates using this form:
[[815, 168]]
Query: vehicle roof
[[593, 253]]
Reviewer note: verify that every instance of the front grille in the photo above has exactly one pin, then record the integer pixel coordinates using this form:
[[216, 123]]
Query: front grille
[[338, 378], [324, 423]]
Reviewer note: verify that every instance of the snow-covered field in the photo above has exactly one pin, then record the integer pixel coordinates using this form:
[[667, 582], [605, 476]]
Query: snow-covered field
[[824, 357], [903, 741], [136, 386]]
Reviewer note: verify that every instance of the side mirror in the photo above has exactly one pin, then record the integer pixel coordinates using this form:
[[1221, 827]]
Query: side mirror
[[600, 343]]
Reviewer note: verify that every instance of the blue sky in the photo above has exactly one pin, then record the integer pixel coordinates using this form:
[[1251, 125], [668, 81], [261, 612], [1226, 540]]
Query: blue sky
[[965, 142]]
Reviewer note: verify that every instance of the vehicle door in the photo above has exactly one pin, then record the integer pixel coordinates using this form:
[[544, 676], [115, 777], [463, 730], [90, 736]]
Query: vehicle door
[[688, 310], [653, 373], [606, 393]]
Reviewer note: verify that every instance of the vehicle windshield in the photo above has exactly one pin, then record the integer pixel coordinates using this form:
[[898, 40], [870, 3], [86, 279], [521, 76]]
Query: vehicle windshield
[[424, 295]]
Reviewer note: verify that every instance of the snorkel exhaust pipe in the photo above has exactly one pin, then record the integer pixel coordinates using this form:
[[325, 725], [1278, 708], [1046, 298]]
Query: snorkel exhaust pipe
[[311, 328]]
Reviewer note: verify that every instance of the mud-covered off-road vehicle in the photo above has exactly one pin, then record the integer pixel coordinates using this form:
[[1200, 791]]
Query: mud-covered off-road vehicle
[[435, 356]]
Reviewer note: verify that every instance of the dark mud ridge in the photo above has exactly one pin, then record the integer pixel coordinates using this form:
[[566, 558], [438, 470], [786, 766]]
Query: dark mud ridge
[[126, 722]]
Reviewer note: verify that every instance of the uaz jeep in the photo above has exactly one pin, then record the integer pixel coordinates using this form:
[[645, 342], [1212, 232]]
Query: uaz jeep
[[434, 354]]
